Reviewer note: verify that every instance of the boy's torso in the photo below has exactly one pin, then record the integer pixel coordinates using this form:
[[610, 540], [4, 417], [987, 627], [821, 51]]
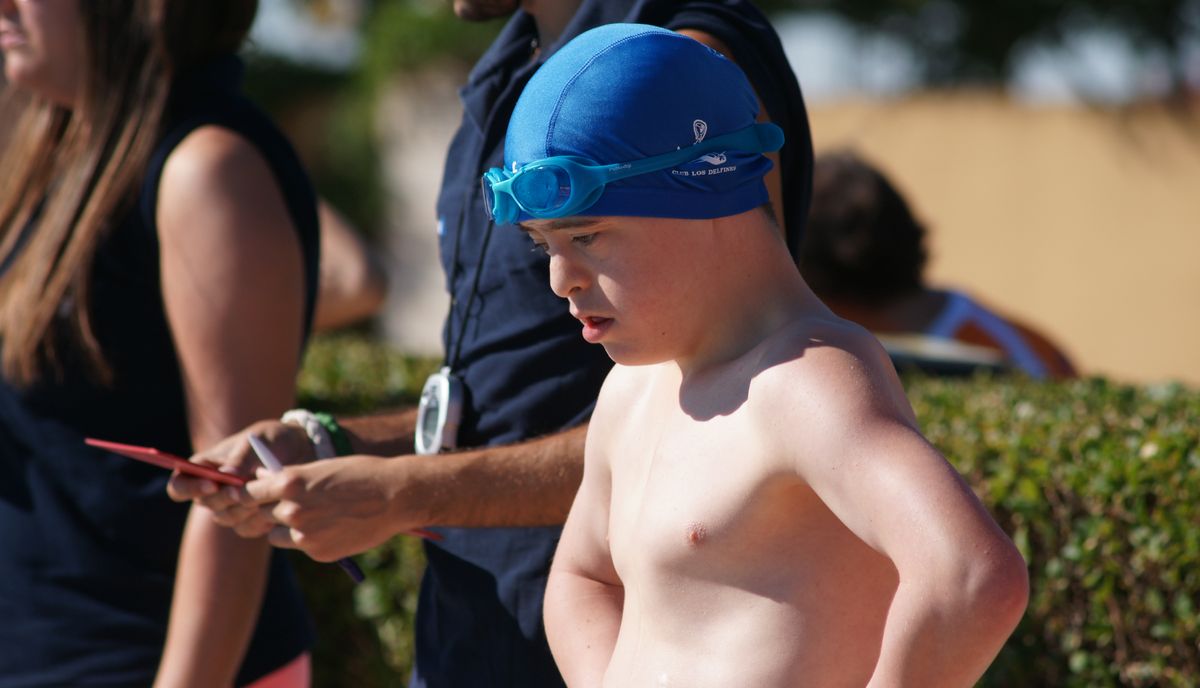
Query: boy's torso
[[735, 572]]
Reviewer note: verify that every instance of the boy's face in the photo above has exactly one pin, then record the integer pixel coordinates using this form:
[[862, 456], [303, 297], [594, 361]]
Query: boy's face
[[636, 284]]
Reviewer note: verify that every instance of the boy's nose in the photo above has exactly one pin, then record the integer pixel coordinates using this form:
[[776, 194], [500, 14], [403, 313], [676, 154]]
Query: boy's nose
[[566, 276]]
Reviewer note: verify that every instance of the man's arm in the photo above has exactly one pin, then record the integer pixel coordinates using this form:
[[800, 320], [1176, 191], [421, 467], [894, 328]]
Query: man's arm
[[389, 433], [338, 507], [343, 506], [384, 434], [963, 585]]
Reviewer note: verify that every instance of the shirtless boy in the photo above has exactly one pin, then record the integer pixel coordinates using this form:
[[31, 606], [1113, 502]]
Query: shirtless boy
[[758, 507]]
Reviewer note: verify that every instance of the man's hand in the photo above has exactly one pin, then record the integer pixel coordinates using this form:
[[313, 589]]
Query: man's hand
[[231, 506], [337, 507]]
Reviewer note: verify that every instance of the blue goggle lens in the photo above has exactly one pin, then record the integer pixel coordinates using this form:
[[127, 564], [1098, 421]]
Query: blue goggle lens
[[543, 189]]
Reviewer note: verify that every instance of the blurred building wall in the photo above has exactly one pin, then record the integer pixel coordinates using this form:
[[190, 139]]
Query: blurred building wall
[[1085, 223], [416, 119]]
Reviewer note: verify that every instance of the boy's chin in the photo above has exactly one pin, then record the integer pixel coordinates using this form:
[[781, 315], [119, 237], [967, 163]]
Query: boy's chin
[[632, 356]]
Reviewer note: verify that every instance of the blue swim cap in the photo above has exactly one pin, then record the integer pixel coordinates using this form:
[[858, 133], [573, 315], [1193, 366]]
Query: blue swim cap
[[623, 92]]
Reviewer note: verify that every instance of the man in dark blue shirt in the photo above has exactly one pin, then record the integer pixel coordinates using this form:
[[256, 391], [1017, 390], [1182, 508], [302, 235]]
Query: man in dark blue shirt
[[525, 379]]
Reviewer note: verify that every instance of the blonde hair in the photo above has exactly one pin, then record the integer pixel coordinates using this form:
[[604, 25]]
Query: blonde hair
[[73, 173]]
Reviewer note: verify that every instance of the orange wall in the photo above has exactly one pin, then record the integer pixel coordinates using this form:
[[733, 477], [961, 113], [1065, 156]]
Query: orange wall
[[1084, 222]]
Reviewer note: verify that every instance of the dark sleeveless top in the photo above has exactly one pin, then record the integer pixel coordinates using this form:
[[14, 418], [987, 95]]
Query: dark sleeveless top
[[89, 540], [526, 369]]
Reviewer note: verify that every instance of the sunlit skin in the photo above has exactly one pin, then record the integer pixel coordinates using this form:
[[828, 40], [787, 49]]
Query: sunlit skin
[[42, 42], [484, 10], [758, 507]]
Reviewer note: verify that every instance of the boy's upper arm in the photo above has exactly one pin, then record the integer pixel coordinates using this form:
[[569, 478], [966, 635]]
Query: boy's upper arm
[[861, 453], [584, 548]]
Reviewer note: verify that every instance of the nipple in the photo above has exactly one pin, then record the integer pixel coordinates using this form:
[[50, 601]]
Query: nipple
[[696, 532]]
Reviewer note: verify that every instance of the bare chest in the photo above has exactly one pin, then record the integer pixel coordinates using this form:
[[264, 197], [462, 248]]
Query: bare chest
[[702, 498]]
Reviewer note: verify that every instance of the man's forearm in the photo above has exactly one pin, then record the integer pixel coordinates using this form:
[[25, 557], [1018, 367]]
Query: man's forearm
[[527, 484], [342, 506], [384, 434]]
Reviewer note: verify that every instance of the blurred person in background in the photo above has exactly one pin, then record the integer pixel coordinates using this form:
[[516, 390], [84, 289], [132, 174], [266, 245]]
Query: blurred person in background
[[158, 270], [864, 255], [505, 474], [353, 279]]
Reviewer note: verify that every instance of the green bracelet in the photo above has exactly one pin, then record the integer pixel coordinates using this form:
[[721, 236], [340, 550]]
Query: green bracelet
[[341, 443]]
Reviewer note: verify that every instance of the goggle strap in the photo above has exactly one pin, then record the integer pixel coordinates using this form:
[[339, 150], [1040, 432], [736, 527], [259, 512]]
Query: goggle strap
[[763, 137]]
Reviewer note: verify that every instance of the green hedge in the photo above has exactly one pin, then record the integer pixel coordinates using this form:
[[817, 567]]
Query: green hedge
[[1098, 483]]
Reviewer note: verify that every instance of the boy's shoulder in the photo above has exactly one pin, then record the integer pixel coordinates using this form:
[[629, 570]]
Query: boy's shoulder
[[817, 342], [623, 392], [825, 365]]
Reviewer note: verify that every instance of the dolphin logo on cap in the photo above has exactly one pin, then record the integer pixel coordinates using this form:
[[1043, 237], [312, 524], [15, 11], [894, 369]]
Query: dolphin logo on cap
[[699, 129]]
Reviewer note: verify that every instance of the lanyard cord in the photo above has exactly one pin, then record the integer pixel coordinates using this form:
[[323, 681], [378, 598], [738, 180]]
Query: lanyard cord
[[455, 347]]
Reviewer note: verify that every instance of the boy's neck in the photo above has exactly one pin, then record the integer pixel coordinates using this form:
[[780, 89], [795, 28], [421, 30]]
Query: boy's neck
[[755, 292]]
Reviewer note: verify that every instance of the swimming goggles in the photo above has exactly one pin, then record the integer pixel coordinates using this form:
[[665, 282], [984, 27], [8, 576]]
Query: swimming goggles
[[566, 185]]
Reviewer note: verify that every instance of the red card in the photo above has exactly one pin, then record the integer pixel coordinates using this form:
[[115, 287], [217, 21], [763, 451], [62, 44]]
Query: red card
[[168, 461]]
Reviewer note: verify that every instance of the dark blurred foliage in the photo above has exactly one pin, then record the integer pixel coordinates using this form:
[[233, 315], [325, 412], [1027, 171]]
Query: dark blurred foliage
[[960, 41], [975, 41]]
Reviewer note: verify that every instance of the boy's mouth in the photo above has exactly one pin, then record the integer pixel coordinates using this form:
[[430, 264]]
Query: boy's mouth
[[594, 328]]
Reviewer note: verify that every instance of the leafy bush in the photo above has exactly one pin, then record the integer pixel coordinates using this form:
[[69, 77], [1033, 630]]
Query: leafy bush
[[1096, 482]]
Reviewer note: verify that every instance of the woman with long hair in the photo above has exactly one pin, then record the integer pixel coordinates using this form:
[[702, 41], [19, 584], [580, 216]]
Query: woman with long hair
[[158, 256]]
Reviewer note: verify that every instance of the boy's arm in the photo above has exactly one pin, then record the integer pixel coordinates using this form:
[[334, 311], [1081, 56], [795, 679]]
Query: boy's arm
[[584, 594], [963, 585]]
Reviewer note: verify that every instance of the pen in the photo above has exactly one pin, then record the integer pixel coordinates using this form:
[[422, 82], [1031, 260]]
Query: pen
[[268, 459]]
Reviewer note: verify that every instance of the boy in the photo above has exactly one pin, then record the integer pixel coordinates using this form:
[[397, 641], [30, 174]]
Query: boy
[[757, 506]]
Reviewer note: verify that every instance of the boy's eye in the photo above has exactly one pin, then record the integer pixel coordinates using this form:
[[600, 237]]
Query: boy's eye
[[539, 247], [584, 239]]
